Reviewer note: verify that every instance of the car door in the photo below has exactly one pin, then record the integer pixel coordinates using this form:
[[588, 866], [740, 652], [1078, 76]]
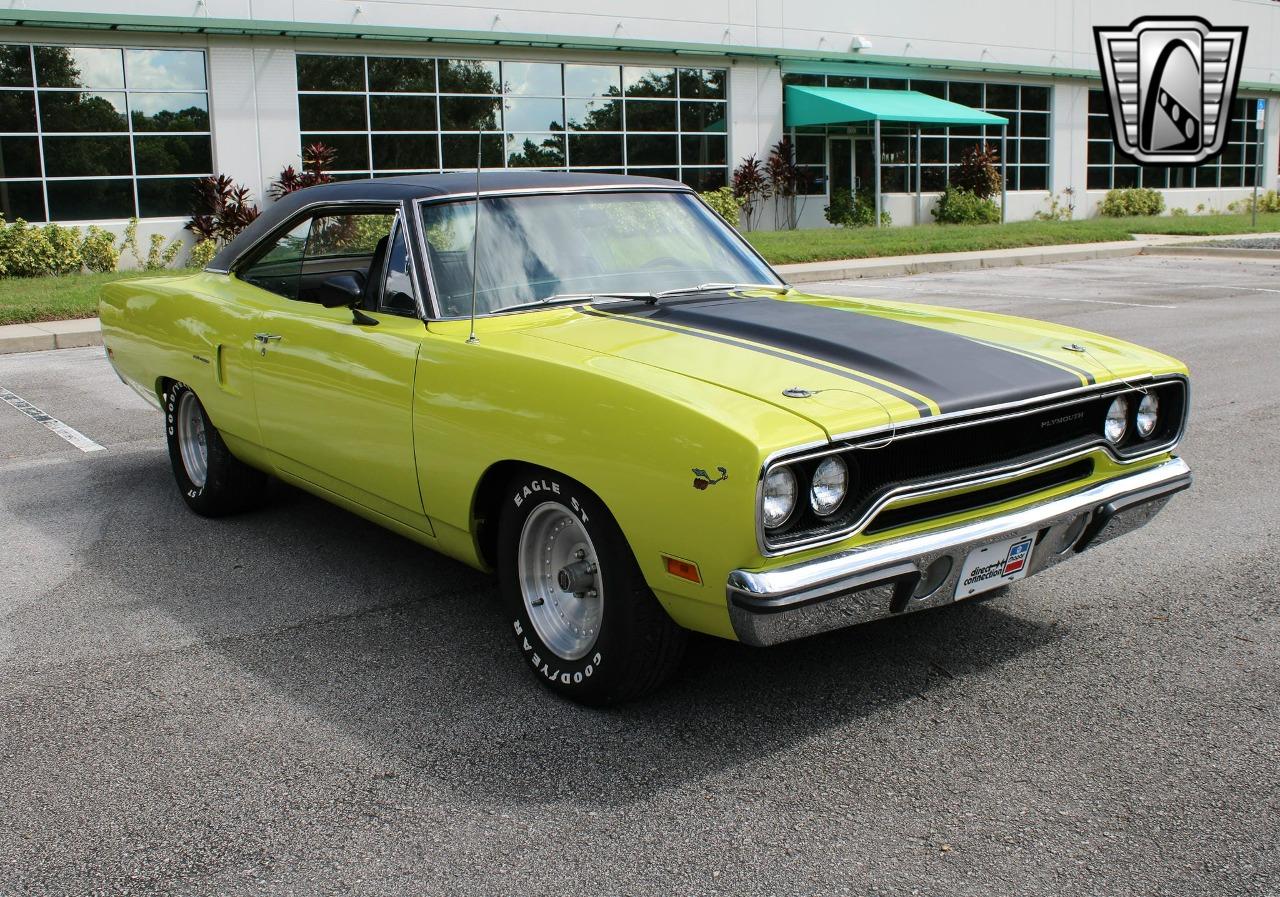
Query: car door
[[334, 395]]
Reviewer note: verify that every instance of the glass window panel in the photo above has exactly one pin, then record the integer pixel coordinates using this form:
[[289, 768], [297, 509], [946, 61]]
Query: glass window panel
[[15, 67], [95, 200], [22, 199], [805, 80], [173, 155], [670, 174], [1099, 178], [966, 93], [706, 84], [1033, 177], [893, 149], [647, 82], [932, 88], [352, 150], [535, 150], [1231, 177], [92, 67], [888, 84], [19, 157], [966, 131], [331, 73], [1097, 102], [1125, 176], [469, 76], [650, 115], [811, 149], [405, 151], [391, 113], [1232, 154], [531, 79], [533, 114], [1035, 124], [1002, 96], [1035, 98], [1099, 127], [164, 69], [279, 268], [469, 114], [398, 291], [17, 110], [705, 179], [1207, 176], [893, 179], [592, 80], [1182, 177], [169, 111], [651, 149], [959, 147], [933, 149], [166, 197], [933, 177], [702, 150], [1035, 151], [1155, 177], [594, 115], [86, 156], [845, 81], [334, 112], [1249, 175], [595, 149], [1099, 152], [459, 150], [401, 74], [71, 111], [702, 117]]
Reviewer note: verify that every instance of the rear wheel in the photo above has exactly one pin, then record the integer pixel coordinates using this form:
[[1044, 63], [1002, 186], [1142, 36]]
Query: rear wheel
[[582, 614], [212, 481]]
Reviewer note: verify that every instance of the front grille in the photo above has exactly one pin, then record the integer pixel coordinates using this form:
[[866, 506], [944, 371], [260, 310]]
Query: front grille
[[953, 451]]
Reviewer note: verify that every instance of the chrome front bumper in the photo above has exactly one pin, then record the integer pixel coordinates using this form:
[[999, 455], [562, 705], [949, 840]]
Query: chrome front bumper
[[879, 580]]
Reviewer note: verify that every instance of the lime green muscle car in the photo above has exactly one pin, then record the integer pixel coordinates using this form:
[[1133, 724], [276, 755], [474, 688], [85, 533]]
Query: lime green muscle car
[[592, 385]]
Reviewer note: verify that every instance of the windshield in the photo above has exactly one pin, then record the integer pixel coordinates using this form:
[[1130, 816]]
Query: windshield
[[539, 247]]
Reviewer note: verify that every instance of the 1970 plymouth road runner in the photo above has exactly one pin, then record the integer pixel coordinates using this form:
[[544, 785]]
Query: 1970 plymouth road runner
[[610, 399]]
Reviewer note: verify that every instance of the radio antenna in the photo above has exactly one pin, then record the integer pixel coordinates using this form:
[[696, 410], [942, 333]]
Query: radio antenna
[[475, 239]]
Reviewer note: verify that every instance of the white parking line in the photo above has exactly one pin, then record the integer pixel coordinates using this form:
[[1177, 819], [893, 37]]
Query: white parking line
[[70, 434]]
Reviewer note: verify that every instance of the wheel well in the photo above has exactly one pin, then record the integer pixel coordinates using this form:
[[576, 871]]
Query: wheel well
[[162, 387], [486, 504]]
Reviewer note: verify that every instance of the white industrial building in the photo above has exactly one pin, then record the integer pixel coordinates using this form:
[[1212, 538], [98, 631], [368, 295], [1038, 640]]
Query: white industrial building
[[108, 110]]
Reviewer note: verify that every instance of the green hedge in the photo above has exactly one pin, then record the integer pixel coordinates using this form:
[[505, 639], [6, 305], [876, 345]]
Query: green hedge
[[1131, 202]]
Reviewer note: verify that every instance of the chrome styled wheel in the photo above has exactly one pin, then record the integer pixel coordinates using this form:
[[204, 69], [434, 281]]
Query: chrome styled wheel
[[192, 442], [559, 577]]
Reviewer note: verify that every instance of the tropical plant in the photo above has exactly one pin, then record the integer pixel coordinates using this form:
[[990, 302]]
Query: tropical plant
[[957, 205], [751, 186], [787, 180], [725, 203], [222, 209], [317, 162], [848, 209], [979, 171]]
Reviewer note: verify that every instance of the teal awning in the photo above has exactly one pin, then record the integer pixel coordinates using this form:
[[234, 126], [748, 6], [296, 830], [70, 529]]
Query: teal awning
[[842, 105]]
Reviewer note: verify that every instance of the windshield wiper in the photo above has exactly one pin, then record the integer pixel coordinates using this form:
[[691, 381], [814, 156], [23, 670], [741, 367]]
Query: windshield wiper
[[558, 298], [653, 298]]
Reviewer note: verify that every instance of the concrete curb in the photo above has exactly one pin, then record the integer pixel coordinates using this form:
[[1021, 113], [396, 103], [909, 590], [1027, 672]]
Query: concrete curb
[[50, 335], [897, 266], [1230, 252]]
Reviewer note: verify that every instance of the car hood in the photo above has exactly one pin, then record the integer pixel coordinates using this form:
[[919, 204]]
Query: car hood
[[853, 364]]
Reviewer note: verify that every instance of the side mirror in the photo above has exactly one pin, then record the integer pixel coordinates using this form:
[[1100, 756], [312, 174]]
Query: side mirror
[[340, 290]]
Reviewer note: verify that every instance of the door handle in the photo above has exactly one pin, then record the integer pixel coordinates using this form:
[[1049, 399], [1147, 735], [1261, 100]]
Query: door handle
[[264, 339]]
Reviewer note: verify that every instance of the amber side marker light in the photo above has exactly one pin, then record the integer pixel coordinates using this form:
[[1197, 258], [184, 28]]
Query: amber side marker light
[[683, 569]]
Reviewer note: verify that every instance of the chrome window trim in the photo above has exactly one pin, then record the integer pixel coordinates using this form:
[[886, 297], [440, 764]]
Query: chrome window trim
[[981, 477]]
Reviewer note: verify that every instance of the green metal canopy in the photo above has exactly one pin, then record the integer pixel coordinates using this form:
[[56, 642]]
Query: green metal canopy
[[841, 105]]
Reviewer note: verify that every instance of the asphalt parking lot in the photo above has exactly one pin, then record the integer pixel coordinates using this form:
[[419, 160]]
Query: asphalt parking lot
[[297, 702]]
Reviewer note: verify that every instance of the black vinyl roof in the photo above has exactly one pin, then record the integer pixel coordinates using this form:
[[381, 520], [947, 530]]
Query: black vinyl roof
[[424, 186]]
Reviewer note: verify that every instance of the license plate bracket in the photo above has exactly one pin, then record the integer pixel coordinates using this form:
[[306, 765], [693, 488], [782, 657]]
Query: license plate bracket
[[992, 566]]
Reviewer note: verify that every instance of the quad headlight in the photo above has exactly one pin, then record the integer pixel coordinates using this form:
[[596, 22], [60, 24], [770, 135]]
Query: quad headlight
[[1148, 415], [829, 487], [778, 500], [1117, 422]]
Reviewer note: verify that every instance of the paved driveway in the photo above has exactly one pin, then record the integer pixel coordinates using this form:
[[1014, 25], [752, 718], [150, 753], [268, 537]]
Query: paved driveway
[[297, 702]]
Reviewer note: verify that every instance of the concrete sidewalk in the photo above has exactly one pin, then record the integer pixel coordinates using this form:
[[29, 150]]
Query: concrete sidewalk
[[86, 332]]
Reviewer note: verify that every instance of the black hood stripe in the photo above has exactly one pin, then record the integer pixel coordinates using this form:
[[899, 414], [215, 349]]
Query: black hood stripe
[[922, 408], [1083, 373], [956, 372]]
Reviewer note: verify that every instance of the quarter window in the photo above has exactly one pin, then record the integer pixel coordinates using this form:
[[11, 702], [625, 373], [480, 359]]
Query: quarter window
[[393, 115], [90, 133]]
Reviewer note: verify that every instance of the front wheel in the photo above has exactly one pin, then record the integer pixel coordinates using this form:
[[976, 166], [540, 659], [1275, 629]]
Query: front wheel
[[582, 615], [213, 482]]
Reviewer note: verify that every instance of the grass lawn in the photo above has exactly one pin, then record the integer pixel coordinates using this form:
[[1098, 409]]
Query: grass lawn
[[24, 300], [823, 244]]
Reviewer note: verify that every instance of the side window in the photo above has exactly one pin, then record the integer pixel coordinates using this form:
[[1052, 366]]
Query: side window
[[398, 292], [324, 245]]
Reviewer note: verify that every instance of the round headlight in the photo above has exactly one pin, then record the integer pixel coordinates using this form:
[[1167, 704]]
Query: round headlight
[[779, 498], [1148, 415], [1117, 420], [830, 484]]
